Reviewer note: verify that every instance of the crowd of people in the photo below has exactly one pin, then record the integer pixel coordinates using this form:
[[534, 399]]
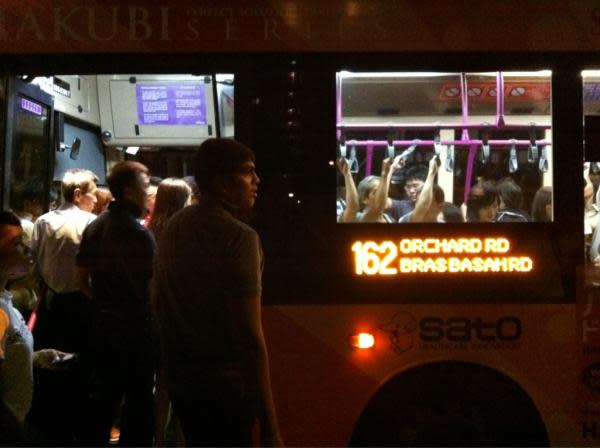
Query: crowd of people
[[424, 201], [146, 295]]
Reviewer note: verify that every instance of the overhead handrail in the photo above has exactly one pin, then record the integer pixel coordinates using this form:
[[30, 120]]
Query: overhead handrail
[[464, 99], [353, 161], [500, 99], [513, 163], [437, 139], [417, 142], [449, 158], [342, 139], [543, 165], [408, 151], [428, 126], [532, 153], [390, 144], [485, 145]]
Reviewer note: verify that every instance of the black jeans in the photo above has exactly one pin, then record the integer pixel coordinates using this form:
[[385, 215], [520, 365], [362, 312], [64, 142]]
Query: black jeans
[[213, 421], [61, 398], [122, 377]]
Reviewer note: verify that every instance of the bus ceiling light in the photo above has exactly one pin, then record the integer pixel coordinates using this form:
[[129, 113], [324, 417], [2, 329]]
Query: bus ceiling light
[[347, 74], [362, 340], [590, 73]]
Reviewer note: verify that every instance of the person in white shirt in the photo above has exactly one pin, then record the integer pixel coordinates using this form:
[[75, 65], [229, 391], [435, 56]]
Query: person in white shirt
[[64, 314]]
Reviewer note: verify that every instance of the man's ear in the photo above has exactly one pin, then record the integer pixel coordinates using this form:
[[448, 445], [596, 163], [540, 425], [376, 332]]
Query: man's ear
[[77, 193], [220, 183]]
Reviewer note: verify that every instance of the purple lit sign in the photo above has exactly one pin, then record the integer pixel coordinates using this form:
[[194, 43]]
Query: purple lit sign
[[171, 104], [32, 107]]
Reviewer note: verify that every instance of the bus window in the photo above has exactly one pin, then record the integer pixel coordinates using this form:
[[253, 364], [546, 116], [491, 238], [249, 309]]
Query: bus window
[[591, 171], [493, 151]]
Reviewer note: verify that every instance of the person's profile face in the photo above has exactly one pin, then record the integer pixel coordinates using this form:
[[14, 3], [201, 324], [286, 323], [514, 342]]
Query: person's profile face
[[488, 213], [371, 197], [137, 192], [151, 193], [15, 257], [243, 190], [87, 201]]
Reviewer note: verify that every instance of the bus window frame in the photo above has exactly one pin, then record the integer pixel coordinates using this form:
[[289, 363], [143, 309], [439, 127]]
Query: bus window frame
[[567, 121]]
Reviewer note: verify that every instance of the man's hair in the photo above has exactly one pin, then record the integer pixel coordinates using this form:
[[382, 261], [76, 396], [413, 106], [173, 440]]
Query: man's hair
[[510, 193], [123, 175], [76, 178], [218, 157], [7, 218], [480, 196], [452, 213], [365, 187], [416, 172]]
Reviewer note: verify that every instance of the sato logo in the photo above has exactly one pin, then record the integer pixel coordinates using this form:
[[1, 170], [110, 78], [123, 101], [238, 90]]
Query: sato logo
[[464, 329]]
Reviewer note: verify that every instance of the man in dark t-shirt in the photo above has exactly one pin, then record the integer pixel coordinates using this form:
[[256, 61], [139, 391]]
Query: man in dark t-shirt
[[415, 179], [116, 254], [207, 289]]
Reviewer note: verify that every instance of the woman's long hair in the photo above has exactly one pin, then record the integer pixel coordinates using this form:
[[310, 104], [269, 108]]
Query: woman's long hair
[[172, 195], [542, 198]]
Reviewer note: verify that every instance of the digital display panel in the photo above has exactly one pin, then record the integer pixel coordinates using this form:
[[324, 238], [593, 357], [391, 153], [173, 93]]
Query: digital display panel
[[30, 106], [171, 104], [438, 255], [439, 147]]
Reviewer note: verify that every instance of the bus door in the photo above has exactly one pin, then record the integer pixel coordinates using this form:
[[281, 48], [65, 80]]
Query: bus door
[[29, 149]]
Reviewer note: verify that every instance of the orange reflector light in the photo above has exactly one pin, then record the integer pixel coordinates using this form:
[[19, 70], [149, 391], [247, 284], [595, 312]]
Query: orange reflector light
[[362, 340]]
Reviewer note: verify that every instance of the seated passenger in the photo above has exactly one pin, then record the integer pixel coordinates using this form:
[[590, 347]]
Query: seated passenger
[[482, 202], [511, 201], [430, 199], [414, 180]]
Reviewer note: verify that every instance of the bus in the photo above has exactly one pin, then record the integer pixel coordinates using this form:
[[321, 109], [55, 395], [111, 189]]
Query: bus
[[430, 332]]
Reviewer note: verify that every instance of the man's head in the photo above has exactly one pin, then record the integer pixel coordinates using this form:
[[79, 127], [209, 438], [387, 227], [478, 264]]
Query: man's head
[[79, 188], [415, 178], [367, 189], [15, 258], [129, 181], [510, 194], [224, 168]]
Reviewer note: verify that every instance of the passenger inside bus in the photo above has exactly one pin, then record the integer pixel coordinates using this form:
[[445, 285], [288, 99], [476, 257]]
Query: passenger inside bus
[[429, 200], [511, 202], [482, 204], [541, 210], [478, 135]]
